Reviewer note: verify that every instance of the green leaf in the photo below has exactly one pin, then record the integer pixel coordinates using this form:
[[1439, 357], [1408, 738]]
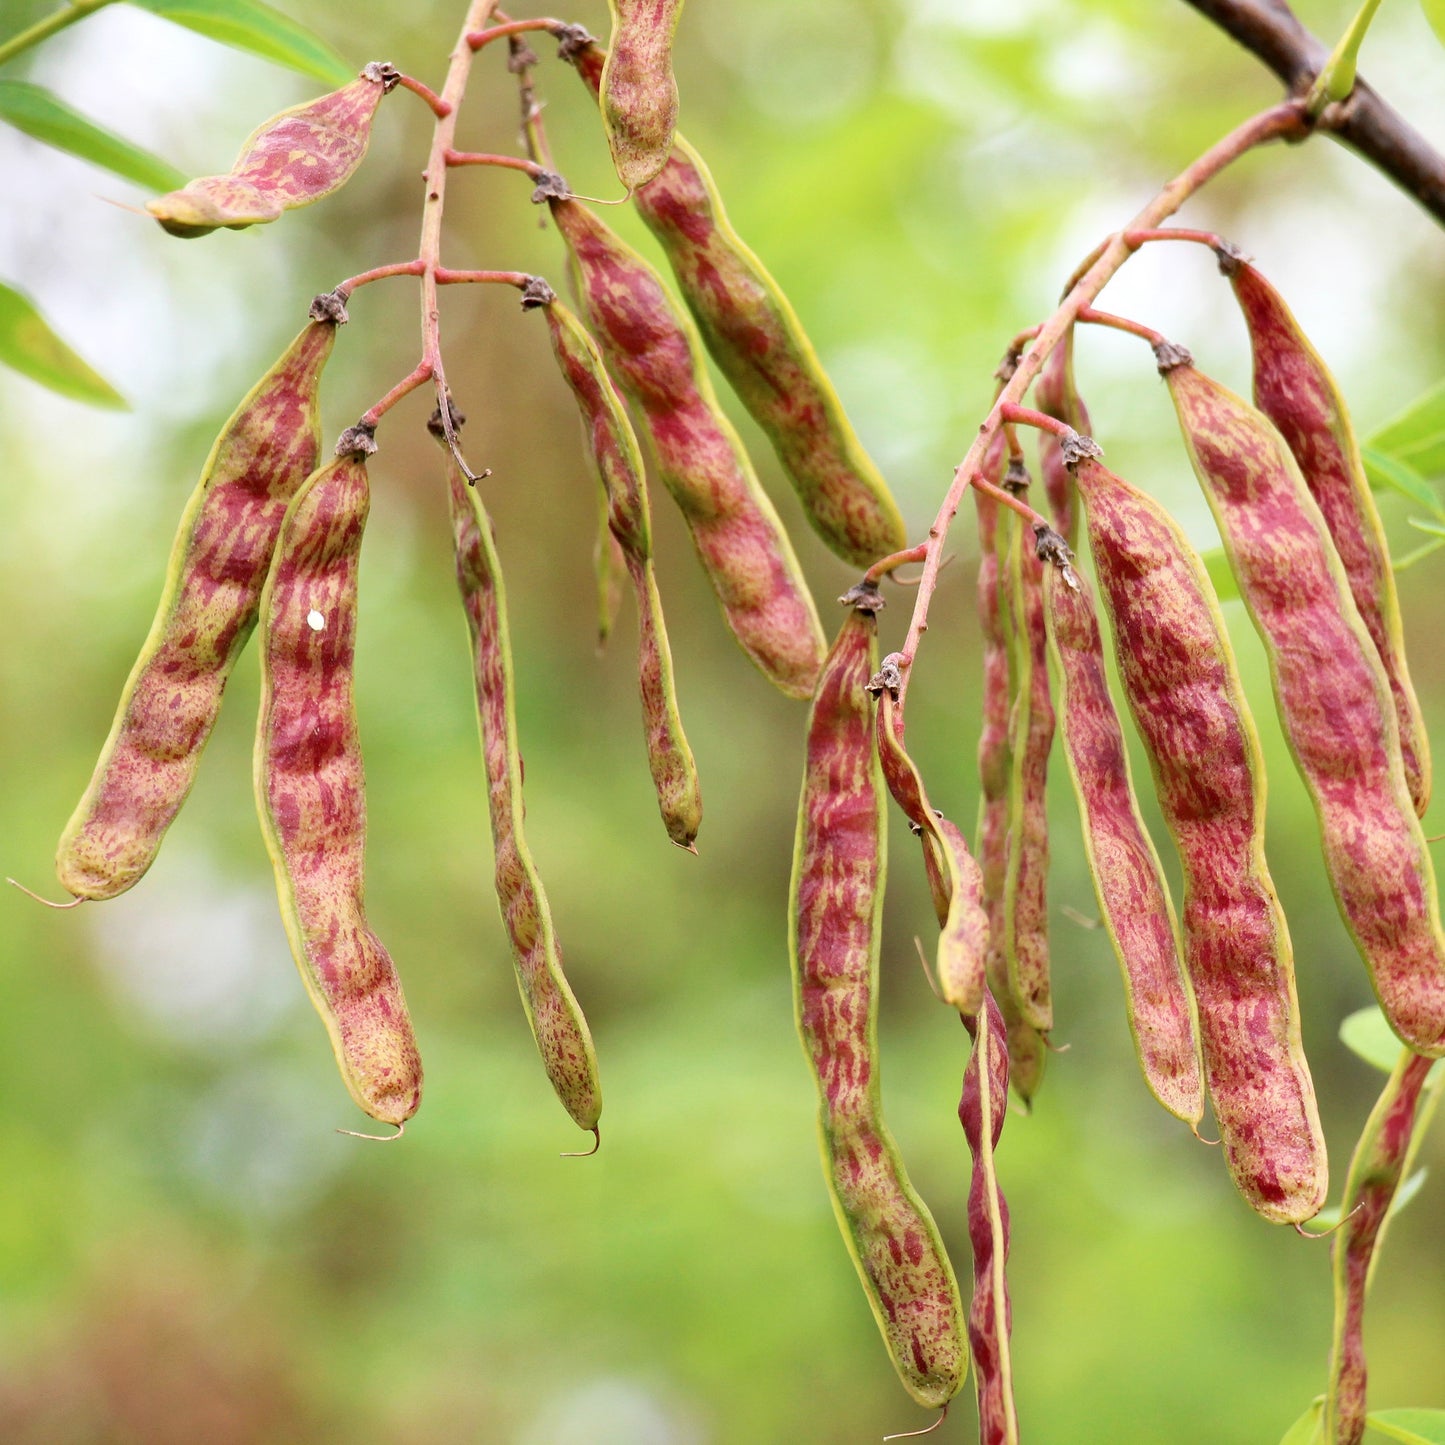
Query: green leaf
[[254, 26], [29, 345], [1417, 434], [1435, 14], [1414, 1427], [1221, 574], [1366, 1034], [1306, 1430], [1385, 470], [45, 117], [1424, 524], [1409, 1189]]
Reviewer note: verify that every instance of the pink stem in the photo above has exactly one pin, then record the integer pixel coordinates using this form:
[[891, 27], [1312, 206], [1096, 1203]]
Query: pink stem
[[439, 107]]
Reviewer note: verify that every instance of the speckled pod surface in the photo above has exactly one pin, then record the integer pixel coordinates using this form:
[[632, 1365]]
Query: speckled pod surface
[[639, 93]]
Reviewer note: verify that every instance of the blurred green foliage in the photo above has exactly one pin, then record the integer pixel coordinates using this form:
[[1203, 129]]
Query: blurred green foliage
[[187, 1251]]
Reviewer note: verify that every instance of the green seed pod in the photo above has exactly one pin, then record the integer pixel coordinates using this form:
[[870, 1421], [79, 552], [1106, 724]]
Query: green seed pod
[[1183, 688], [639, 94], [834, 924], [1295, 390], [207, 610], [1379, 1163], [609, 565], [618, 463], [655, 355], [1333, 696], [563, 1039], [1056, 395], [1129, 882], [294, 158], [310, 790]]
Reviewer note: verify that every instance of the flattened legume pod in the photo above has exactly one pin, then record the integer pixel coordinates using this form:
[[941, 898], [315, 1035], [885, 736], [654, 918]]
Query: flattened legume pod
[[310, 790], [1129, 882], [639, 93], [563, 1039], [1294, 389], [655, 355], [981, 1109], [1334, 699], [1184, 692], [207, 610], [292, 159], [1378, 1165], [834, 925], [1056, 395], [618, 462]]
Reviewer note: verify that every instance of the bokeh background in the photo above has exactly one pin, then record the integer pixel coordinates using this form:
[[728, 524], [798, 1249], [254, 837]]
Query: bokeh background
[[188, 1251]]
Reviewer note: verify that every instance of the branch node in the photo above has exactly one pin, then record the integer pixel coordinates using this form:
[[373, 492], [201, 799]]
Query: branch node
[[357, 441], [1169, 354], [537, 293], [1075, 447], [864, 597], [550, 187], [329, 306], [888, 678], [382, 73], [572, 40]]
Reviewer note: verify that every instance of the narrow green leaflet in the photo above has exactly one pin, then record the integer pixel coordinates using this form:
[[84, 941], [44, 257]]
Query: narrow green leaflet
[[1221, 574], [1425, 524], [254, 26], [1306, 1430], [1385, 470], [29, 345], [1366, 1034], [45, 117], [1414, 1427], [1417, 434], [1435, 14]]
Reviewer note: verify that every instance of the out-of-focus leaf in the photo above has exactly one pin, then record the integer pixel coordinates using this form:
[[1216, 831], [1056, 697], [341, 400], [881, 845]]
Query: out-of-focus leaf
[[1417, 434], [1425, 524], [1306, 1430], [256, 27], [1385, 470], [1408, 1190], [1413, 1427], [29, 346], [1221, 574], [1366, 1034], [45, 117], [1435, 14]]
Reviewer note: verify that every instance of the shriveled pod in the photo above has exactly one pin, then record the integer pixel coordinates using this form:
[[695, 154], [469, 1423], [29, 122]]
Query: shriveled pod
[[835, 918], [1334, 699], [1379, 1164], [754, 335], [1183, 689], [1294, 389], [1025, 914], [292, 159], [208, 608], [310, 790], [981, 1109], [1134, 901], [618, 462], [1056, 395], [563, 1039], [654, 353], [639, 93]]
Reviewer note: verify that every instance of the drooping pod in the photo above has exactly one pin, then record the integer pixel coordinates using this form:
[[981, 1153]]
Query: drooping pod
[[1183, 689], [981, 1109], [618, 463], [292, 159], [208, 608], [754, 335], [310, 788], [654, 353], [561, 1031], [834, 925], [1379, 1164], [1334, 699], [1294, 389], [609, 568], [1056, 395], [639, 93], [954, 878], [1134, 901]]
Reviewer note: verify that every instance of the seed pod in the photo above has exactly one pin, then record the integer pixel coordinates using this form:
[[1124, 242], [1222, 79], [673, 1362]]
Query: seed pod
[[1333, 696], [1293, 388], [310, 790], [609, 565], [208, 609], [654, 353], [1056, 395], [1128, 879], [953, 875], [1376, 1169], [294, 158], [981, 1109], [1025, 914], [834, 924], [557, 1022], [639, 94], [1184, 692], [758, 342]]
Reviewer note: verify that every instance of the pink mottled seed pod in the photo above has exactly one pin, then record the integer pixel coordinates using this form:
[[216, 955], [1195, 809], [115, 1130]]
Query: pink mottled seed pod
[[639, 93]]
